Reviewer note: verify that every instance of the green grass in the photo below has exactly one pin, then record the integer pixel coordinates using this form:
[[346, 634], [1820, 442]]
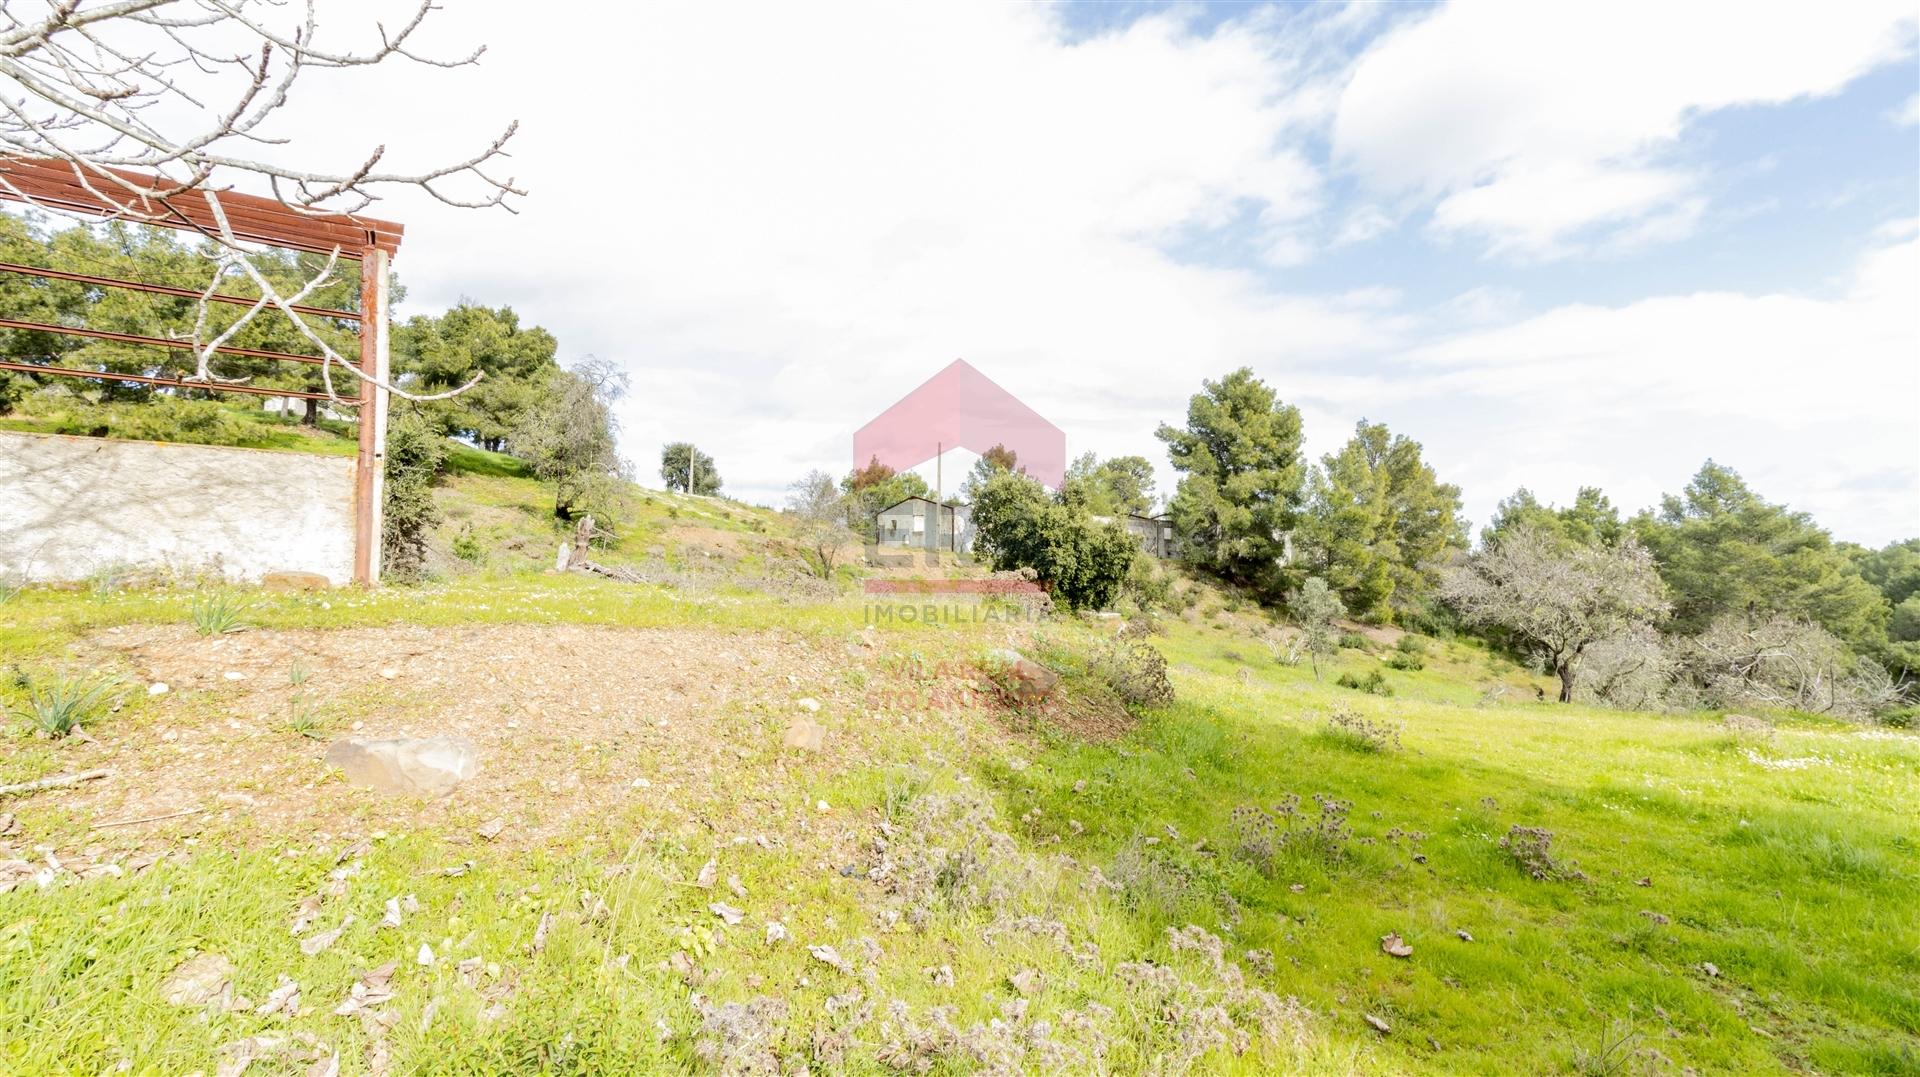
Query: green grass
[[1788, 863]]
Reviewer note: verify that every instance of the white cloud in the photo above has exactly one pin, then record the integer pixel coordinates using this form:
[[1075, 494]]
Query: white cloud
[[1529, 124], [1907, 115], [781, 222], [1812, 398]]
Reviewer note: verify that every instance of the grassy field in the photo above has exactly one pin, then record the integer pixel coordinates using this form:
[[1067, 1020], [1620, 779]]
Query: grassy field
[[956, 884]]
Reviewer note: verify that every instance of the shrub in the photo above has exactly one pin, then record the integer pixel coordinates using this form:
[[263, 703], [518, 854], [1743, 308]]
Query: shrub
[[57, 706], [1374, 683], [1405, 661], [1019, 526], [1531, 848], [1265, 837], [1347, 729], [1353, 641], [217, 614], [415, 454], [467, 546], [1137, 672]]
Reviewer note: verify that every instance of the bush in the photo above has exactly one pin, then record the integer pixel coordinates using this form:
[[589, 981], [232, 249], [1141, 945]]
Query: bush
[[1374, 683], [1405, 661], [1137, 672], [415, 454], [1353, 641], [468, 547], [1019, 526]]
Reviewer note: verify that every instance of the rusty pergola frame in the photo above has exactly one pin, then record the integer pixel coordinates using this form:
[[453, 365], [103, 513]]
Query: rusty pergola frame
[[155, 200]]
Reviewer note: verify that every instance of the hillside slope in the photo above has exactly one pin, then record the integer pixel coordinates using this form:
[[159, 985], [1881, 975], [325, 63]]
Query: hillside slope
[[643, 875]]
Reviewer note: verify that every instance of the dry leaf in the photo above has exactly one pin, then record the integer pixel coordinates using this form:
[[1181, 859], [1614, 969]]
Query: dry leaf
[[425, 956], [392, 918], [1395, 945], [491, 828], [1378, 1025], [830, 956], [198, 980], [540, 932], [776, 932], [306, 913], [284, 998], [707, 874], [726, 912], [734, 884], [314, 944]]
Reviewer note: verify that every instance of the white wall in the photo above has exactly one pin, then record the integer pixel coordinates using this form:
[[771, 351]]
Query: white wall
[[70, 507]]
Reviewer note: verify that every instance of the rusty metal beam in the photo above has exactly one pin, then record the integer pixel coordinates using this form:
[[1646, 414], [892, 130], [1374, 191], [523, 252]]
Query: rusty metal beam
[[370, 470], [56, 184], [153, 342], [172, 383], [166, 289]]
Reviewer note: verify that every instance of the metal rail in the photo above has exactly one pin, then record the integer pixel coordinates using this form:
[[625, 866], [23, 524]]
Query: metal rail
[[177, 383], [166, 289], [153, 342]]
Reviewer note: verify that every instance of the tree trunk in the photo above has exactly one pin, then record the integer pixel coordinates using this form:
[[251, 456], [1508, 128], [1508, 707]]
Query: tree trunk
[[1565, 670], [312, 417]]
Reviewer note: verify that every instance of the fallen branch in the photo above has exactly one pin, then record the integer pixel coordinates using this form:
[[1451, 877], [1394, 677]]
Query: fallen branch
[[146, 819], [58, 781]]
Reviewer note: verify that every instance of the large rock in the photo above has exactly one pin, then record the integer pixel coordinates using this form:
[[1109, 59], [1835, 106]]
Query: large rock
[[1027, 681], [420, 765], [294, 581]]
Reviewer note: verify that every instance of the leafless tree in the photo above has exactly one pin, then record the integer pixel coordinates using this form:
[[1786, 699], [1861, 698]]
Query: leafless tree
[[820, 509], [184, 90], [1631, 669], [1558, 596], [1742, 660]]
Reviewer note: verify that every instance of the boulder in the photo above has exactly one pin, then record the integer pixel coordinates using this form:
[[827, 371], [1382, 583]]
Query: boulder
[[1021, 677], [429, 766], [294, 581]]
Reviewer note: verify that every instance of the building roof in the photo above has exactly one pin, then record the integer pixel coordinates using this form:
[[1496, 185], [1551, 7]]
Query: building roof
[[923, 500]]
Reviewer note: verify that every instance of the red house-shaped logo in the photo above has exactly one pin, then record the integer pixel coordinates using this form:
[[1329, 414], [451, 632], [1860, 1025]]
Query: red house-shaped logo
[[962, 408]]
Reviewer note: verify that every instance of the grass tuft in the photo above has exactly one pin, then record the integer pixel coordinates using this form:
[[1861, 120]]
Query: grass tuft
[[55, 706]]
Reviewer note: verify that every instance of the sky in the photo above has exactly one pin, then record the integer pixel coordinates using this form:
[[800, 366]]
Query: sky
[[1558, 244]]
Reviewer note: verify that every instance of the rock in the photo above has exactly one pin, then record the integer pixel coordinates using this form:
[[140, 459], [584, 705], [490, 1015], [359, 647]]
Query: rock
[[158, 688], [294, 581], [199, 980], [491, 828], [810, 705], [1027, 681], [1746, 723], [234, 675], [425, 956], [1710, 968], [1465, 935], [420, 765], [1378, 1024], [806, 735]]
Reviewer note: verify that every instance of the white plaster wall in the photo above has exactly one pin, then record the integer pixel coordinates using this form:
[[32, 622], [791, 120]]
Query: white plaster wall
[[70, 507]]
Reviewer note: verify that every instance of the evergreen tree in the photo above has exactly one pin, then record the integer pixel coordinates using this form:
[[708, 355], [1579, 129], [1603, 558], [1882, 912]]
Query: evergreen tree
[[1240, 455], [1724, 549]]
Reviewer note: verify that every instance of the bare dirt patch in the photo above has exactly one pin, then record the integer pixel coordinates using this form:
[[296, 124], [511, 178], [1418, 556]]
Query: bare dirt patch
[[570, 721]]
